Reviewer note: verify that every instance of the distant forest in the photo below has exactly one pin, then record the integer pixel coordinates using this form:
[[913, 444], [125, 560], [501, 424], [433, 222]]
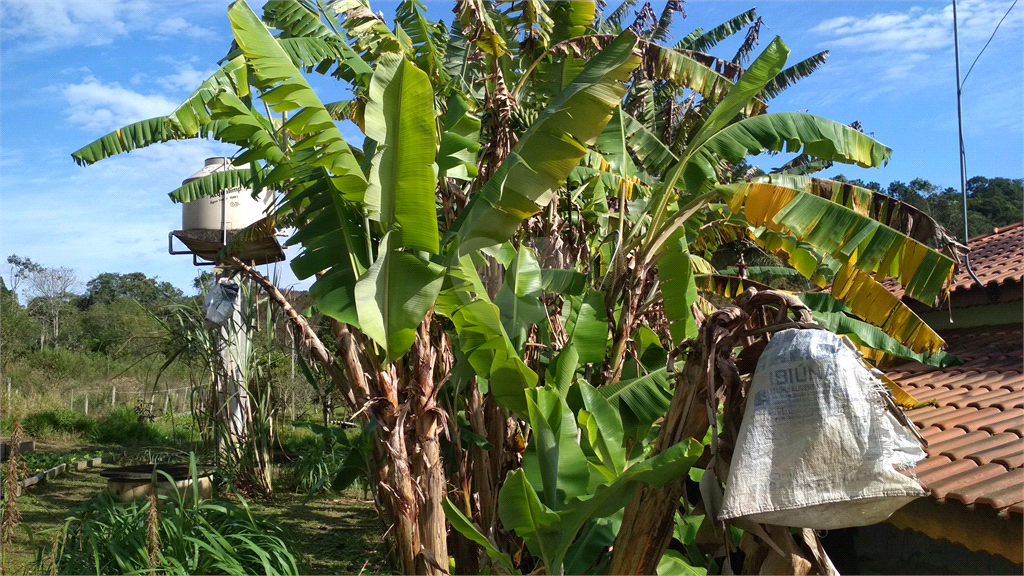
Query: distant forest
[[991, 202]]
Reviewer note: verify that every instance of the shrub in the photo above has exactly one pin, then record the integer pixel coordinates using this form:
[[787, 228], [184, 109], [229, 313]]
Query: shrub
[[124, 426], [49, 422], [105, 536]]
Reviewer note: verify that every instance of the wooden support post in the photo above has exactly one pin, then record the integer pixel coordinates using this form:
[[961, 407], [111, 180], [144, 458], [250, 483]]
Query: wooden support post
[[86, 403], [113, 396]]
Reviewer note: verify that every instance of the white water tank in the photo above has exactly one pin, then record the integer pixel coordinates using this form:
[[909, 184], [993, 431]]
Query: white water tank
[[209, 213]]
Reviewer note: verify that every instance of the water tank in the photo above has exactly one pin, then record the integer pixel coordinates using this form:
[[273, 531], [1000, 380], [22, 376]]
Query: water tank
[[209, 213]]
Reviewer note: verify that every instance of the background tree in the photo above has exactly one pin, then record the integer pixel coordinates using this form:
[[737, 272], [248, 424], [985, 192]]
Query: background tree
[[108, 287], [19, 332], [50, 298]]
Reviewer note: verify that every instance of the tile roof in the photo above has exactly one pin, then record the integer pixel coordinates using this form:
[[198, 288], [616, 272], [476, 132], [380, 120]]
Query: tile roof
[[975, 430], [997, 258]]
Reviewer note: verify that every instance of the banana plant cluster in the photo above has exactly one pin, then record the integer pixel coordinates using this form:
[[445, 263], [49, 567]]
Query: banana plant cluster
[[525, 235]]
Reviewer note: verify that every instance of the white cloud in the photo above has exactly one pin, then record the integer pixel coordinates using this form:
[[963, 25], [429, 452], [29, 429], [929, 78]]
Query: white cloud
[[96, 106], [40, 25], [178, 26], [44, 25], [186, 78], [916, 28]]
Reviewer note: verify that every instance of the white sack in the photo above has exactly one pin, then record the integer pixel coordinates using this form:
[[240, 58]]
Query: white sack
[[817, 449]]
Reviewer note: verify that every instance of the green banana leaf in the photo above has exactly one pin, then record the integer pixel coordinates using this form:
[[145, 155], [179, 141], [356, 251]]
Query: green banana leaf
[[285, 90], [460, 141], [483, 339], [790, 131], [213, 184], [134, 136], [194, 113], [700, 41], [553, 456], [587, 327], [794, 73], [521, 511], [879, 206], [673, 563], [678, 290], [763, 69], [866, 335], [518, 298], [648, 396], [399, 116], [394, 296], [549, 534], [530, 175], [459, 522], [604, 430]]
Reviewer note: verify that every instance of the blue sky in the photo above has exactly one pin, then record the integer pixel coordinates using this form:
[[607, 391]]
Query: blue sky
[[72, 71]]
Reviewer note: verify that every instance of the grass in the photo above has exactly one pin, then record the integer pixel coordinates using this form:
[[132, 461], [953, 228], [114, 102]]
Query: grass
[[335, 535], [122, 427]]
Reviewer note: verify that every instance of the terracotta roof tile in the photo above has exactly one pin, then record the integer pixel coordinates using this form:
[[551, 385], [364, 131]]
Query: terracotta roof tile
[[935, 416], [1011, 482], [1014, 460], [996, 258], [1011, 492], [958, 447], [976, 425], [1002, 399], [1013, 421], [931, 463], [944, 471], [940, 487], [935, 435], [972, 420], [1005, 449], [972, 443]]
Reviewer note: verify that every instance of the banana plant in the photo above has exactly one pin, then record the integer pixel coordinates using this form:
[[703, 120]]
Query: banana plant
[[491, 151]]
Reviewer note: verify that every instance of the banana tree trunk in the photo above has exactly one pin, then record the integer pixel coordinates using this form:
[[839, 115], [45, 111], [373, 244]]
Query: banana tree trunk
[[427, 468], [650, 516]]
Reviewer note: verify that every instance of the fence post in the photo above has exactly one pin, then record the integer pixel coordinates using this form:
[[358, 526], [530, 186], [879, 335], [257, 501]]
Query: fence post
[[86, 403], [71, 405], [152, 403], [113, 396], [167, 400]]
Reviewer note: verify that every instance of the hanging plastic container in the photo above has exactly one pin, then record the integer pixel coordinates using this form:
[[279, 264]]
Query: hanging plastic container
[[817, 447]]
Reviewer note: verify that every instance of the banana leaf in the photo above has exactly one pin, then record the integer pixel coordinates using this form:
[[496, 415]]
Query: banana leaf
[[844, 234], [399, 116], [530, 175]]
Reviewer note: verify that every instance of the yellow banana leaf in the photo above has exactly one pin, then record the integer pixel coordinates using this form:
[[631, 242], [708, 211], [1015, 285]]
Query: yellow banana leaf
[[878, 306], [846, 235]]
